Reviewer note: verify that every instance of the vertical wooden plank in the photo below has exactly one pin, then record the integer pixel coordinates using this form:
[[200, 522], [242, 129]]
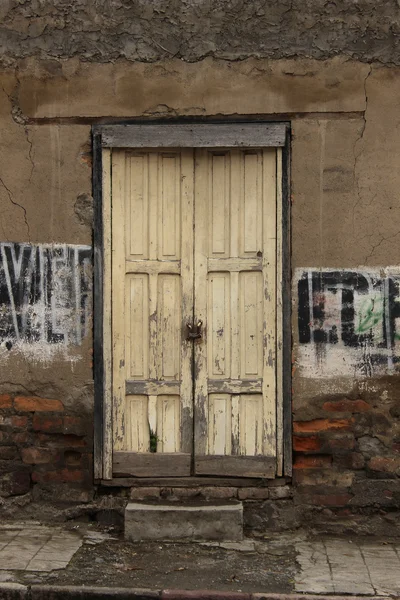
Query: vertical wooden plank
[[219, 420], [279, 316], [169, 202], [137, 326], [219, 330], [100, 401], [187, 277], [269, 309], [137, 429], [154, 211], [168, 423], [119, 175], [286, 309], [235, 402], [154, 338], [151, 424], [219, 205], [169, 331], [107, 331], [137, 221], [251, 425], [201, 287], [251, 319], [251, 206], [236, 192]]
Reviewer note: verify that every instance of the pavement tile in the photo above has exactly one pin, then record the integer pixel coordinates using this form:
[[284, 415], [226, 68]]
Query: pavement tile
[[383, 565], [45, 565], [315, 574], [349, 573]]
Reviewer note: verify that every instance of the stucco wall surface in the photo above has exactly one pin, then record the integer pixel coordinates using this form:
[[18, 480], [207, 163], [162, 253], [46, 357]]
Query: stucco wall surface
[[328, 68]]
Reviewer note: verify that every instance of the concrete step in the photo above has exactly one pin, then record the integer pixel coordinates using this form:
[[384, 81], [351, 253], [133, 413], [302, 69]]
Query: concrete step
[[174, 521]]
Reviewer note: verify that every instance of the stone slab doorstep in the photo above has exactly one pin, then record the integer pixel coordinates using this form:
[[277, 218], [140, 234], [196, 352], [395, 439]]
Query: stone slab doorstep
[[206, 522], [16, 591]]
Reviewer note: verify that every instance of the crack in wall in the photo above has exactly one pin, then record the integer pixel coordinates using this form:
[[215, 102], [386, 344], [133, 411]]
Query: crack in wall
[[29, 152], [378, 244], [10, 197]]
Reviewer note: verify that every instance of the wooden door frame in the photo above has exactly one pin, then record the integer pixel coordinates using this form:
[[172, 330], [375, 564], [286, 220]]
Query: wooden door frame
[[258, 134]]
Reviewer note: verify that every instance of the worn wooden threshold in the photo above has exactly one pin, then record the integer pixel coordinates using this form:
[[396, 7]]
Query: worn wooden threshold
[[202, 481], [146, 464], [253, 466]]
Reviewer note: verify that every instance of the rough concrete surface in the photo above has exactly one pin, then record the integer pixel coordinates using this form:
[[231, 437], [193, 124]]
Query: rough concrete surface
[[169, 521], [105, 30]]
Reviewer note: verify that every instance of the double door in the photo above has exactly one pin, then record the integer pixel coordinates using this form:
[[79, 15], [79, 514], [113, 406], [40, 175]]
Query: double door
[[194, 312]]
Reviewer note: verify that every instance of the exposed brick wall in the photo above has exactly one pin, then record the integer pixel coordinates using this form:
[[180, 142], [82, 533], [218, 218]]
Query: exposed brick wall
[[346, 473], [347, 459], [41, 444]]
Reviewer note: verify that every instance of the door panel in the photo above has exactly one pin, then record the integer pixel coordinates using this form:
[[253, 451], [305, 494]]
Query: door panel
[[235, 254], [152, 300]]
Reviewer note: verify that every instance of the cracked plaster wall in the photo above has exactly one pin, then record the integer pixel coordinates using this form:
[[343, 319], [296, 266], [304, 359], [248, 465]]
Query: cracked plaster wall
[[328, 68]]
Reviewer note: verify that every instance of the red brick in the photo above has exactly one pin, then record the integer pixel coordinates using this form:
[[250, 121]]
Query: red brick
[[311, 462], [320, 425], [339, 444], [5, 401], [306, 444], [324, 477], [64, 475], [74, 425], [396, 447], [62, 440], [21, 437], [34, 404], [73, 458], [38, 456], [47, 423], [385, 464], [331, 499], [15, 484], [17, 422], [353, 406]]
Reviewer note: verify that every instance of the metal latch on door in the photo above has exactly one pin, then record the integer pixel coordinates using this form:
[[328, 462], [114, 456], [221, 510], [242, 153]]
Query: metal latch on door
[[194, 331]]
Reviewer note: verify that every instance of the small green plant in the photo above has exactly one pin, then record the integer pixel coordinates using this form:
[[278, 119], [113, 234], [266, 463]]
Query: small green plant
[[153, 441]]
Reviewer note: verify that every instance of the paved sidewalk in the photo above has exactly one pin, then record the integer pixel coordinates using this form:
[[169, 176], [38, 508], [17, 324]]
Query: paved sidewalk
[[63, 560]]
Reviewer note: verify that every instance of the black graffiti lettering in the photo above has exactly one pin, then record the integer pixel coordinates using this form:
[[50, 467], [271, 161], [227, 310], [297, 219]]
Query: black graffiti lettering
[[45, 293]]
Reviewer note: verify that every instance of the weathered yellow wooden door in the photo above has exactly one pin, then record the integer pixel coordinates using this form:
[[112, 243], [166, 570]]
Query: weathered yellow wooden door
[[152, 300], [194, 240], [235, 271]]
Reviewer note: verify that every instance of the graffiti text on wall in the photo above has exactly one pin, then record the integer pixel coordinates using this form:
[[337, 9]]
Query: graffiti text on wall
[[349, 321], [45, 294]]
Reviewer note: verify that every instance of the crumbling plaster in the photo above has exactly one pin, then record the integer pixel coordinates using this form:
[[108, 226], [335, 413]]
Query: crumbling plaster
[[109, 30]]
